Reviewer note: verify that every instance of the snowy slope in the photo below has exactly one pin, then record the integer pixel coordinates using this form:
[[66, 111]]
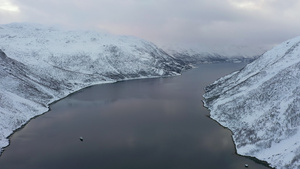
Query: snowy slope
[[260, 104], [40, 64]]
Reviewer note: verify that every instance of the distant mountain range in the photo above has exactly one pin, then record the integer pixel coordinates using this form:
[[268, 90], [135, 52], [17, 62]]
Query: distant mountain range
[[197, 56], [260, 104]]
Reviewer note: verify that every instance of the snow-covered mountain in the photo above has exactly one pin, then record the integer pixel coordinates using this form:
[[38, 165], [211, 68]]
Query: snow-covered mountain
[[260, 104], [195, 56], [40, 64]]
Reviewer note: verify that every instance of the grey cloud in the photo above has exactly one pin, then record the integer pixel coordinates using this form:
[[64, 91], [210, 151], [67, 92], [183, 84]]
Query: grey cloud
[[210, 23]]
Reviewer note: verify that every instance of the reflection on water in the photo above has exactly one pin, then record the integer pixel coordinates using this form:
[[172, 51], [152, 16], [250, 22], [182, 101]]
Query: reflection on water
[[140, 124]]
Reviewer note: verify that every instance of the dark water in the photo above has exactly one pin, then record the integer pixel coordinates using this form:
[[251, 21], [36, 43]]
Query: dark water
[[139, 124]]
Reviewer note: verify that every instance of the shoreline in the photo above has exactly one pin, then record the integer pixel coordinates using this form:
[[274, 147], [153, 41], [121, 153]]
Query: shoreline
[[256, 160], [2, 149]]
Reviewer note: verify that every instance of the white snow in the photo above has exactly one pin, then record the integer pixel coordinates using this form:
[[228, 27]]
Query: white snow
[[261, 105]]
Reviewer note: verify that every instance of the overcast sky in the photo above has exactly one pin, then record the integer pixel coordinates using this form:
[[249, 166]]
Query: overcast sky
[[253, 24]]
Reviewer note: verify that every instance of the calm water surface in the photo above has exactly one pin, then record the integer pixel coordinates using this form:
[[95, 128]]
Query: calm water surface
[[140, 124]]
